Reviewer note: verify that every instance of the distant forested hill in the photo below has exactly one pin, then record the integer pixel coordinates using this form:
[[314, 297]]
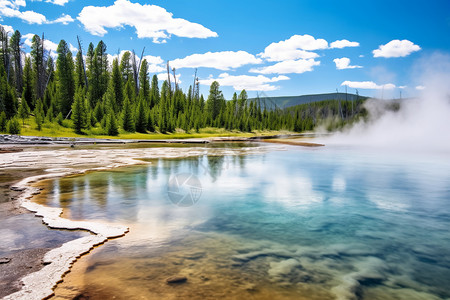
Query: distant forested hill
[[288, 101]]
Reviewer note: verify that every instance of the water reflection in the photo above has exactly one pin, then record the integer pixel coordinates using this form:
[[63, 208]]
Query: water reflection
[[327, 224]]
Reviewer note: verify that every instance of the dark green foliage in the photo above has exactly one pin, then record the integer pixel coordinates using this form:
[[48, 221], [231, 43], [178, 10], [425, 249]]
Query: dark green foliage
[[15, 45], [59, 119], [215, 103], [13, 126], [39, 115], [111, 125], [120, 94], [79, 114], [24, 111], [39, 119], [3, 122], [116, 87], [27, 92], [150, 122], [154, 92], [141, 117], [97, 61], [38, 67], [144, 83], [66, 83], [127, 116], [80, 80], [8, 100]]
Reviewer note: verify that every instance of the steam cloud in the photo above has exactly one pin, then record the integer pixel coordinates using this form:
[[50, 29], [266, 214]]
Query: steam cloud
[[421, 124]]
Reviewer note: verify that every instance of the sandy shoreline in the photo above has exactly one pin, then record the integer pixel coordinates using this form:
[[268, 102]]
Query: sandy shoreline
[[67, 161]]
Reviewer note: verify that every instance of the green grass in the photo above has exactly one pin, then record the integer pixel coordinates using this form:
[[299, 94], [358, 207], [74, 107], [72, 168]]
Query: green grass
[[55, 130]]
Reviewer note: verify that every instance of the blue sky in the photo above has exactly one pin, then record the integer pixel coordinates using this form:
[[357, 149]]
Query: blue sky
[[279, 47]]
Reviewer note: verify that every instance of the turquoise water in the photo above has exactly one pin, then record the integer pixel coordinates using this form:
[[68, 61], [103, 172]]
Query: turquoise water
[[322, 223]]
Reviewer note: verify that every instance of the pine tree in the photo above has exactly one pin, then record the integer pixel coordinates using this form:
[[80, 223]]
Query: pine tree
[[13, 126], [144, 83], [127, 116], [8, 99], [116, 86], [150, 122], [80, 80], [16, 51], [215, 102], [154, 92], [125, 67], [66, 83], [141, 117], [24, 111], [111, 125], [38, 67], [39, 119], [27, 92], [98, 72], [3, 121], [79, 115]]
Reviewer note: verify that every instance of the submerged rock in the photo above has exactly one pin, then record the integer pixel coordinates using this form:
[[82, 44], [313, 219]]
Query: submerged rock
[[176, 279], [4, 260]]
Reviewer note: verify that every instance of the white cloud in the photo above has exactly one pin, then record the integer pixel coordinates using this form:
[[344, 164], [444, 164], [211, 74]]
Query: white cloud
[[11, 9], [396, 48], [33, 17], [297, 46], [368, 85], [361, 55], [57, 2], [155, 64], [163, 76], [420, 87], [223, 60], [8, 29], [150, 21], [73, 48], [289, 66], [64, 19], [247, 82], [402, 87], [344, 63], [343, 43]]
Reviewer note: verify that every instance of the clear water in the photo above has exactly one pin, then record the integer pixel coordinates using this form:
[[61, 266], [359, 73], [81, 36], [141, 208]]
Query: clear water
[[327, 223]]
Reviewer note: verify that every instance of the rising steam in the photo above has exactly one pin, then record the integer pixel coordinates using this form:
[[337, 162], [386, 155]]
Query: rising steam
[[421, 124]]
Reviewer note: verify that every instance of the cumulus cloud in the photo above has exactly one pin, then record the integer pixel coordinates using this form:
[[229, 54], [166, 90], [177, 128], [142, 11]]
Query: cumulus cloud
[[8, 29], [343, 43], [72, 48], [64, 19], [344, 63], [11, 9], [247, 82], [296, 47], [396, 48], [150, 21], [420, 87], [163, 76], [289, 66], [368, 85], [223, 60], [57, 2]]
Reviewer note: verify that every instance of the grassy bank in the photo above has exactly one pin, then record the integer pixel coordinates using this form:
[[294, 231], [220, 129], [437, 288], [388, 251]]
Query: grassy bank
[[53, 129]]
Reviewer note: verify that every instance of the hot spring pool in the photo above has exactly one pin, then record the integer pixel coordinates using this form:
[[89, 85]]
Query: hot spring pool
[[299, 223]]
